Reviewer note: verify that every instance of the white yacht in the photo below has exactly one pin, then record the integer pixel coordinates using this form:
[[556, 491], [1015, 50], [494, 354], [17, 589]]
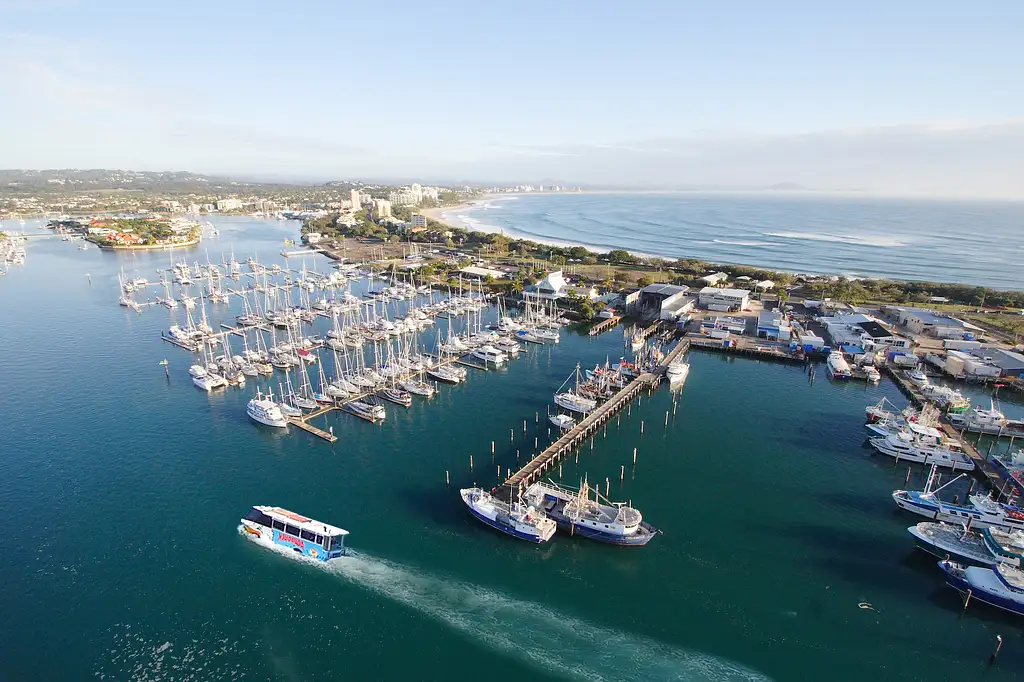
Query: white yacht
[[204, 379], [915, 443], [917, 377], [490, 354], [265, 411], [575, 403], [838, 368], [562, 421], [677, 372]]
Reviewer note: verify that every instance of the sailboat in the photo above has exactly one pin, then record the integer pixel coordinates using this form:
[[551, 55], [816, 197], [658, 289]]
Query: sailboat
[[572, 400]]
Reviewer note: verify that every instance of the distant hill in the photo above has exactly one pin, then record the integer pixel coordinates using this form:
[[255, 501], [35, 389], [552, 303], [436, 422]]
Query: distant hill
[[74, 180]]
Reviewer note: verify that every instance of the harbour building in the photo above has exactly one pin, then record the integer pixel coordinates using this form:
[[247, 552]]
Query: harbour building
[[723, 300]]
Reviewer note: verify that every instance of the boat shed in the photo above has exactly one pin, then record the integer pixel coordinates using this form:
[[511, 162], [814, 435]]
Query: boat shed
[[655, 298], [1010, 363], [923, 321]]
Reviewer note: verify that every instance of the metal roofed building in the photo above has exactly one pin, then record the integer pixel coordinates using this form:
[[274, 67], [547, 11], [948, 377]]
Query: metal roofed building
[[655, 298]]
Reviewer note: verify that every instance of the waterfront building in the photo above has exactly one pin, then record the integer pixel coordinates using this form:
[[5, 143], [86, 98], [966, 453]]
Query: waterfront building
[[418, 222], [773, 325], [857, 332], [662, 301], [723, 300], [939, 325], [552, 287], [1010, 363], [482, 273]]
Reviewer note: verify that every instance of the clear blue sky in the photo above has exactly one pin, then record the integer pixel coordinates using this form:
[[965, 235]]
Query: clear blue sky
[[345, 88]]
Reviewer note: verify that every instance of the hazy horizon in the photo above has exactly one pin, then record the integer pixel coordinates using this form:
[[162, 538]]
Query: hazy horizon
[[873, 99]]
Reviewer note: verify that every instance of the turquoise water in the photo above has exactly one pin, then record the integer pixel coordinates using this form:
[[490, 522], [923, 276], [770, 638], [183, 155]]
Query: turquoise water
[[123, 491], [973, 242]]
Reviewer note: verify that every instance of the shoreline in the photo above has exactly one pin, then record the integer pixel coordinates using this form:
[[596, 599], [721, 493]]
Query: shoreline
[[472, 225], [146, 247]]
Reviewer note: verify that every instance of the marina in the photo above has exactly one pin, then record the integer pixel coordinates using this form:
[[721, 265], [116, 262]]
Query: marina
[[417, 543]]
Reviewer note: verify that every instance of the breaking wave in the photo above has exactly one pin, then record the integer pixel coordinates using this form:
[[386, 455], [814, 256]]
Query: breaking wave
[[868, 240], [551, 641], [741, 242]]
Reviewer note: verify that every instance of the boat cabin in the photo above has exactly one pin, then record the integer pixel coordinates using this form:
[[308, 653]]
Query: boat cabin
[[304, 535]]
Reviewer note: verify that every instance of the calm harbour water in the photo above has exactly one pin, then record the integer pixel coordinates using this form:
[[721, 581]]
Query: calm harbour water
[[972, 242], [123, 491]]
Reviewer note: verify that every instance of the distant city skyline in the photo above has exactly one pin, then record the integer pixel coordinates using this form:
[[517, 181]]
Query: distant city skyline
[[915, 99]]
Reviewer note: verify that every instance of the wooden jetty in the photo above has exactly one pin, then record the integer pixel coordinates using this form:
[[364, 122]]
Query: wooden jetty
[[604, 325], [574, 436], [983, 469], [303, 424]]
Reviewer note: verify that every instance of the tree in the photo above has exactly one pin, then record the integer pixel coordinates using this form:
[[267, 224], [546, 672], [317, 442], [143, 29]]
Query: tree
[[643, 281], [620, 256], [586, 310]]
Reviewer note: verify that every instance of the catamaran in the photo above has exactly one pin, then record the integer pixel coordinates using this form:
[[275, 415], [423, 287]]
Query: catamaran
[[277, 527], [516, 518]]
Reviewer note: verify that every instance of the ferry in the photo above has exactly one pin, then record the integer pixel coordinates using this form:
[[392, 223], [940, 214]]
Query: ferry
[[838, 368], [1001, 587], [575, 513], [273, 526], [516, 519]]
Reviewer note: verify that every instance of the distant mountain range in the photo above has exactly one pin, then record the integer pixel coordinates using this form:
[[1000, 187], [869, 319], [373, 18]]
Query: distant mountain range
[[19, 180]]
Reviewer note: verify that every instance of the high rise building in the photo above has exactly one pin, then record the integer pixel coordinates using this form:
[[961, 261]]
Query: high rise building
[[356, 199], [381, 208]]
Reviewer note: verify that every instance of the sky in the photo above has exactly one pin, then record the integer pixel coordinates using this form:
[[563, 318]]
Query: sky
[[909, 97]]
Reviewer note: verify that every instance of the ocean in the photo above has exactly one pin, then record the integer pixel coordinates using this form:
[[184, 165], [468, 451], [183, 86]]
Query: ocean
[[970, 242], [782, 555]]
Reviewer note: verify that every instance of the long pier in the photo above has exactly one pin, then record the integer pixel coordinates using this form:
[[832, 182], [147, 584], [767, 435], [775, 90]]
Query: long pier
[[571, 438]]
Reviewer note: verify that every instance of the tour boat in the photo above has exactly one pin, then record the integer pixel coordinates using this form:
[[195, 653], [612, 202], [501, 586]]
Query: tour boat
[[516, 519], [677, 372], [562, 421], [1001, 586], [276, 527], [575, 513], [948, 541], [917, 378], [266, 411], [838, 368], [490, 354]]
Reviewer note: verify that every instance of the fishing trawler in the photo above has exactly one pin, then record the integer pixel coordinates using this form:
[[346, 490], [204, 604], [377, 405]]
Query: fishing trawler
[[948, 541], [277, 527], [519, 520], [1001, 587], [597, 519], [991, 422], [572, 399], [980, 510], [924, 445]]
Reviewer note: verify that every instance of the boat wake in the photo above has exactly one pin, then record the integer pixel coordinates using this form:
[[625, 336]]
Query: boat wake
[[551, 641]]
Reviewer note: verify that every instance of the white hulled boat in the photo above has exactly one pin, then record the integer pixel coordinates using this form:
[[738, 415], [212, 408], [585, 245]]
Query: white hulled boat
[[838, 368], [516, 519], [677, 372], [265, 411]]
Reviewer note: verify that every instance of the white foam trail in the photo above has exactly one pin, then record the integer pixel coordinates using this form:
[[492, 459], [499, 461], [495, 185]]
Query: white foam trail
[[868, 240], [552, 641]]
